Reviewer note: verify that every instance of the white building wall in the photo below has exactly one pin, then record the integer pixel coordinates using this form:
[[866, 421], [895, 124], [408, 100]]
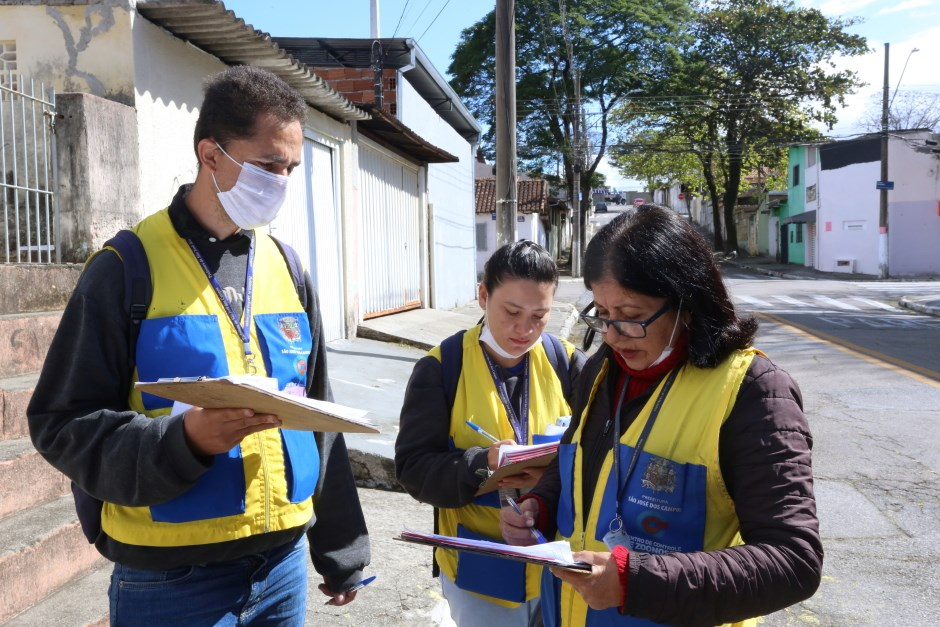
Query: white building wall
[[528, 226], [811, 202], [167, 104], [847, 228], [450, 189], [913, 209]]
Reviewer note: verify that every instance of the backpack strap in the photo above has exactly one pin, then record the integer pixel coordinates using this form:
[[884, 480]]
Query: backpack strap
[[138, 287], [451, 365], [296, 269], [558, 357]]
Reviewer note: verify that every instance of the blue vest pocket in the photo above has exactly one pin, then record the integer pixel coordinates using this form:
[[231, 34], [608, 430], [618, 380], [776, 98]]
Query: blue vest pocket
[[179, 346], [219, 492], [663, 506], [491, 576], [302, 464], [545, 439], [285, 345], [565, 516]]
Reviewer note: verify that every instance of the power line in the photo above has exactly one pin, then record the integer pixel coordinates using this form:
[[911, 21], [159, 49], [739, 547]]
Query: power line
[[434, 20], [400, 18]]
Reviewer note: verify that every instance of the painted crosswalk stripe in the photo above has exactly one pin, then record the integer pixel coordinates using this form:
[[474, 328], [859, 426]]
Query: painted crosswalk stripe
[[792, 301], [874, 303], [832, 302], [750, 300]]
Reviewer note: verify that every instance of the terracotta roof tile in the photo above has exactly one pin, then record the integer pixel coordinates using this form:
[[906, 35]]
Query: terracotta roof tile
[[532, 196]]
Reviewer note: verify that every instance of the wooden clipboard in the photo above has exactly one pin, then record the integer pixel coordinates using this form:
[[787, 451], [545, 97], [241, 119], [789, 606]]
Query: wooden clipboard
[[492, 483], [296, 412]]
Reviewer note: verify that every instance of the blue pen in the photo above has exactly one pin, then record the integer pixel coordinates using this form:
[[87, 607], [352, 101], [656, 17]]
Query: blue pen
[[356, 586], [535, 532], [481, 431]]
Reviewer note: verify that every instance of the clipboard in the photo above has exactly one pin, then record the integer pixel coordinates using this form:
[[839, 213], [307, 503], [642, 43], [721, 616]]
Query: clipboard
[[295, 412], [494, 549], [492, 483]]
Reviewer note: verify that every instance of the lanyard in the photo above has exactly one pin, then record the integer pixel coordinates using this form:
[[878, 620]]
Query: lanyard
[[520, 425], [622, 485], [243, 328]]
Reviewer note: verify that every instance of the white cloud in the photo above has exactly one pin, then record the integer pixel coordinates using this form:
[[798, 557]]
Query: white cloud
[[905, 6], [841, 7]]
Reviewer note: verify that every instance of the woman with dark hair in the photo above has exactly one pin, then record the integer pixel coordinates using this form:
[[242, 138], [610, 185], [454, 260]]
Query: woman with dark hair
[[510, 382], [706, 514]]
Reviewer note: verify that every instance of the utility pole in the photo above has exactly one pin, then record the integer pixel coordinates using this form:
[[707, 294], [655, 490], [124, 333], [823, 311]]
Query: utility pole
[[883, 183], [577, 231], [374, 18], [505, 122]]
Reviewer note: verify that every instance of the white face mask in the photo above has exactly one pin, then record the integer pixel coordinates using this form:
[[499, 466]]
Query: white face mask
[[668, 350], [486, 336], [255, 198]]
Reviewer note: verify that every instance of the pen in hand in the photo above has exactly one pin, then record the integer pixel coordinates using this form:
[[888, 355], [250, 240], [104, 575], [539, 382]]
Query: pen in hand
[[535, 532], [481, 431], [356, 586]]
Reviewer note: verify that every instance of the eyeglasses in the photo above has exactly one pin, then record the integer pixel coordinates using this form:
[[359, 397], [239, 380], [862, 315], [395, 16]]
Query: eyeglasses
[[629, 328]]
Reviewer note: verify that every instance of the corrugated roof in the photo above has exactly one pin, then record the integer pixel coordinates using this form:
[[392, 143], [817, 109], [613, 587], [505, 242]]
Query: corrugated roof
[[208, 25], [531, 196], [388, 129]]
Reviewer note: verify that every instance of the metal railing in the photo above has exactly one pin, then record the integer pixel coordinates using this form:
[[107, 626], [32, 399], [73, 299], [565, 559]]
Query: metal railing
[[28, 174]]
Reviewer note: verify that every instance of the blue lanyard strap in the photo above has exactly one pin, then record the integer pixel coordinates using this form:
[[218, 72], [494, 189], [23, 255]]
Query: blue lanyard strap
[[520, 424], [622, 485], [243, 327]]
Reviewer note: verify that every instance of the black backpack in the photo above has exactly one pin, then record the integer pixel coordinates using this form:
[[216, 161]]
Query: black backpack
[[138, 290]]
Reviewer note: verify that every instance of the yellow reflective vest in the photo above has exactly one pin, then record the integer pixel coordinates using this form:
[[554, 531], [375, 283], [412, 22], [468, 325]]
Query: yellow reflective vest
[[675, 500], [265, 483], [500, 581]]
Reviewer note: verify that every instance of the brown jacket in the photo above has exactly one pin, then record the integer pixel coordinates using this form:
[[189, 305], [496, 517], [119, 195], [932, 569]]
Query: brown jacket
[[765, 457]]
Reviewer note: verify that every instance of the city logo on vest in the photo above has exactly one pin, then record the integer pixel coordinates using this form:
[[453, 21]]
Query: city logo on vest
[[660, 475], [289, 328], [653, 524]]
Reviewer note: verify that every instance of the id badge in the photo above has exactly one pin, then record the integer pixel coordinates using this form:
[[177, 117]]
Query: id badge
[[616, 535]]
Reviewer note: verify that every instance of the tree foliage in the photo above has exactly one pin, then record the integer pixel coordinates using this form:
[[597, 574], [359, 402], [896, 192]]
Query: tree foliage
[[750, 76], [909, 110], [615, 45]]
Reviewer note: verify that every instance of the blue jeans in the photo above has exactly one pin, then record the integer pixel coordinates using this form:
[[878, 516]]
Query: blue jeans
[[265, 589]]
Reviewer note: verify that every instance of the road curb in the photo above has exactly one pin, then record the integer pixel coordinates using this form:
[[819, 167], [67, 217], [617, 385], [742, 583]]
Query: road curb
[[916, 304]]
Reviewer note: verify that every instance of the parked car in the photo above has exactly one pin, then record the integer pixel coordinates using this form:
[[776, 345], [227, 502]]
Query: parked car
[[600, 207]]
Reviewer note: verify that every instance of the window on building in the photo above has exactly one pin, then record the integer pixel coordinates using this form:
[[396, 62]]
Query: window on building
[[810, 193], [811, 156], [8, 63], [799, 233], [481, 237], [796, 175]]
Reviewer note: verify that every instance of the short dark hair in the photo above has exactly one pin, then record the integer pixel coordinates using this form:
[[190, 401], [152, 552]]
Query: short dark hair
[[653, 251], [235, 97], [520, 260]]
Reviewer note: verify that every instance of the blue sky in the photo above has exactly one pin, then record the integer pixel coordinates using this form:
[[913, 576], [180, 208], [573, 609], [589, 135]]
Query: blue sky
[[436, 24]]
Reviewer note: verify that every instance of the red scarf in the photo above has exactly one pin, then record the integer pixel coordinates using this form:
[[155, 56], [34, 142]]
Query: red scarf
[[641, 380]]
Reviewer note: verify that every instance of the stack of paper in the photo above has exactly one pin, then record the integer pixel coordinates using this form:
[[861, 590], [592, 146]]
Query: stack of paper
[[548, 554], [515, 453]]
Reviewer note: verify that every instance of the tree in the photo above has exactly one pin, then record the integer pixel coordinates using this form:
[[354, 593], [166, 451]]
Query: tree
[[750, 76], [614, 46], [909, 110]]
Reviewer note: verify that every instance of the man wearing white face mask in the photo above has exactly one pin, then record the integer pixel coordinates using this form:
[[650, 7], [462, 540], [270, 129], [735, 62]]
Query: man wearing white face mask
[[206, 513]]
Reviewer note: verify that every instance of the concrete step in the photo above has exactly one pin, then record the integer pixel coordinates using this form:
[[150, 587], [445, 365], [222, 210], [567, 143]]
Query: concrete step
[[15, 393], [81, 603], [27, 478], [24, 341], [36, 287], [43, 549]]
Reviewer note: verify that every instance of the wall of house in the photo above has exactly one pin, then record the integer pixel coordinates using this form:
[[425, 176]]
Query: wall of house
[[450, 189], [528, 226], [848, 219], [913, 208], [168, 75], [71, 48], [796, 203]]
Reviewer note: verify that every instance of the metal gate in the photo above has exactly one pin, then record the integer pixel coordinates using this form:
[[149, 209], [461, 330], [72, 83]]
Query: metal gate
[[310, 222], [391, 243], [28, 175]]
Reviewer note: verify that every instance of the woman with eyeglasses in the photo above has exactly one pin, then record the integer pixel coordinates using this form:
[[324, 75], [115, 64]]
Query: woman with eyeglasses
[[501, 382], [685, 478]]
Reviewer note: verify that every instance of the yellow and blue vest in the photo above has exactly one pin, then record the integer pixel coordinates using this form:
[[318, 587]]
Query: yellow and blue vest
[[500, 581], [675, 501], [266, 482]]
